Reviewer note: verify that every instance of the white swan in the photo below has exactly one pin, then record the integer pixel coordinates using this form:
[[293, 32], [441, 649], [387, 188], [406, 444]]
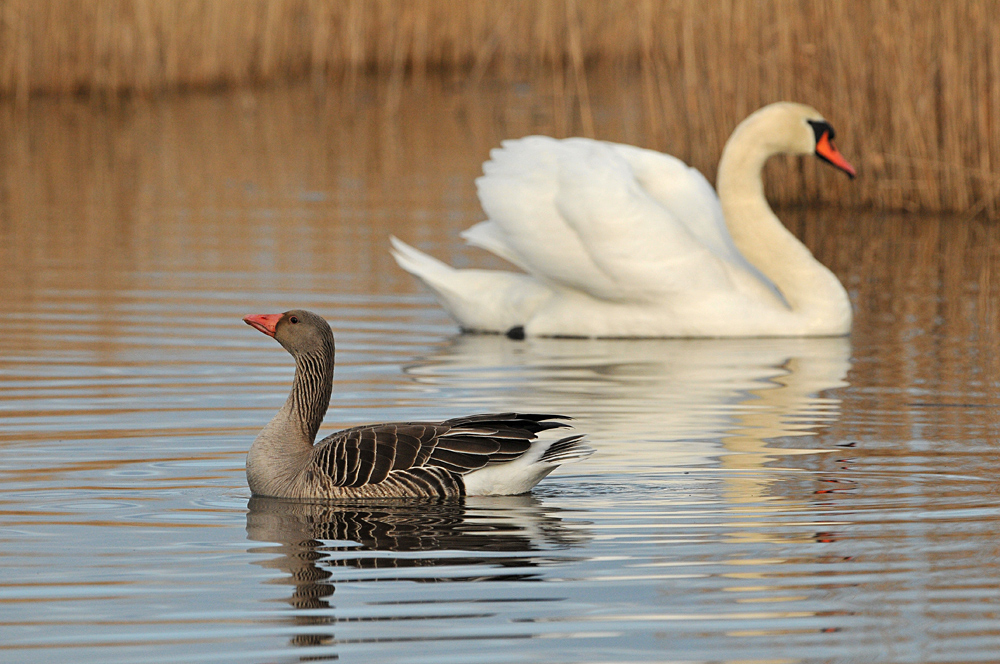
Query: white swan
[[618, 241]]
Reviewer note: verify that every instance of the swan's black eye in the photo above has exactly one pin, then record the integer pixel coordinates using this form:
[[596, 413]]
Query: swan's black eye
[[293, 319]]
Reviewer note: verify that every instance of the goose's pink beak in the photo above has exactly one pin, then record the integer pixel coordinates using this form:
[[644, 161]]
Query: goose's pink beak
[[263, 322]]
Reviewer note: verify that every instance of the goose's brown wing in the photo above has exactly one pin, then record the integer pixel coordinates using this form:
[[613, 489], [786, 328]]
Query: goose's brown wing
[[367, 454]]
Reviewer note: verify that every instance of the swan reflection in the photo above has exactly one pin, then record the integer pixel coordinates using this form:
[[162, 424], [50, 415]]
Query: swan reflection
[[317, 545], [682, 396], [654, 404]]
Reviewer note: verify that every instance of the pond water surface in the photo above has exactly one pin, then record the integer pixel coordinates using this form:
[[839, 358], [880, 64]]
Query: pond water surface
[[749, 500]]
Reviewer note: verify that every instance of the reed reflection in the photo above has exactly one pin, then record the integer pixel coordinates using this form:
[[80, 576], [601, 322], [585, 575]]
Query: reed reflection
[[317, 544]]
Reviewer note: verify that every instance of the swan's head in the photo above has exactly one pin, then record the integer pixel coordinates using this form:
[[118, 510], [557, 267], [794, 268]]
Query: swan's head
[[787, 127], [300, 332]]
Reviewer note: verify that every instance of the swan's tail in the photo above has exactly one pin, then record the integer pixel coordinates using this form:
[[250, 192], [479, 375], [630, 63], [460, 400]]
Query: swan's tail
[[480, 300]]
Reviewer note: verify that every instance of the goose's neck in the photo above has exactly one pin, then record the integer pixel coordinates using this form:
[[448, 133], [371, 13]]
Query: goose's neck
[[284, 447], [809, 288], [310, 396]]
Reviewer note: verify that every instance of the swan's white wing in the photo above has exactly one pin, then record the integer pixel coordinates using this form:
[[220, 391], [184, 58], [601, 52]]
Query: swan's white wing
[[518, 192], [489, 236], [685, 193], [692, 201], [573, 212]]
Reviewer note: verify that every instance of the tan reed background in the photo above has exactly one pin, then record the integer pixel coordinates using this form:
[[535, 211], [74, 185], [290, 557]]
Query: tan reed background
[[912, 86]]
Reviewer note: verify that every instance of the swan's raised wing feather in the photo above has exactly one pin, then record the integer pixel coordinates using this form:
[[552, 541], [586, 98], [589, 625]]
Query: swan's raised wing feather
[[630, 236], [490, 236], [578, 213], [691, 200], [518, 192], [685, 193]]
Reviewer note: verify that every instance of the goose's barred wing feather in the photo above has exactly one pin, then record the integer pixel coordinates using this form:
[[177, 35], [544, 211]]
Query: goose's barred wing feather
[[368, 454]]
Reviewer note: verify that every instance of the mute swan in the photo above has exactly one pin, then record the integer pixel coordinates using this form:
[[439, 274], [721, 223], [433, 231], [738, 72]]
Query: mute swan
[[491, 454], [618, 241]]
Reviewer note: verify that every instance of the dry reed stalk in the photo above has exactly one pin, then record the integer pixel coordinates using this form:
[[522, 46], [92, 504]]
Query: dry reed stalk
[[579, 73]]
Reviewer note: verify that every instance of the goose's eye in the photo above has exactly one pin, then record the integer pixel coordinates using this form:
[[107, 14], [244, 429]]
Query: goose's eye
[[293, 319]]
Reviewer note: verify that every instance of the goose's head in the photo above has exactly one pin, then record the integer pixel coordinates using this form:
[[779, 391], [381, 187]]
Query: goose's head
[[300, 332], [787, 127]]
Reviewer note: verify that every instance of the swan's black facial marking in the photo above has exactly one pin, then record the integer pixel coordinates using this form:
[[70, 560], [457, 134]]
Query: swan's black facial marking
[[820, 127]]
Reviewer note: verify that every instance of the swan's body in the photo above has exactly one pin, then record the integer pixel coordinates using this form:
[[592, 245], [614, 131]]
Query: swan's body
[[490, 454], [618, 241]]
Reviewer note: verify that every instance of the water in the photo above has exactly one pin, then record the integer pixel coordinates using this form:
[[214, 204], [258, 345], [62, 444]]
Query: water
[[749, 501]]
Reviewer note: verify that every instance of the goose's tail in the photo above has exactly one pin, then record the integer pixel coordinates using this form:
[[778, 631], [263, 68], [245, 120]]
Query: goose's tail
[[566, 450], [522, 474]]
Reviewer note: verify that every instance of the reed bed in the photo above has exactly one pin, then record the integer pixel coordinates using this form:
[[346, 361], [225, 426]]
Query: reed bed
[[913, 87]]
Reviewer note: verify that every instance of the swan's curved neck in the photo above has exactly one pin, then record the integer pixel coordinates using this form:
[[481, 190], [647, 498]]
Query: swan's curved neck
[[284, 447], [809, 288]]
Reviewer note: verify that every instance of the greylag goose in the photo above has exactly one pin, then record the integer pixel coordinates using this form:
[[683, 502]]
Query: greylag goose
[[488, 454], [619, 241]]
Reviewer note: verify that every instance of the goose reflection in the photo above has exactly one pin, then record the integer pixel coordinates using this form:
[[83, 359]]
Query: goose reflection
[[316, 545]]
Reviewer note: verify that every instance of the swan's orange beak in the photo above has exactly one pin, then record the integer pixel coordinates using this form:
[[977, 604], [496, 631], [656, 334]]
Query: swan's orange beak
[[263, 322], [829, 154]]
